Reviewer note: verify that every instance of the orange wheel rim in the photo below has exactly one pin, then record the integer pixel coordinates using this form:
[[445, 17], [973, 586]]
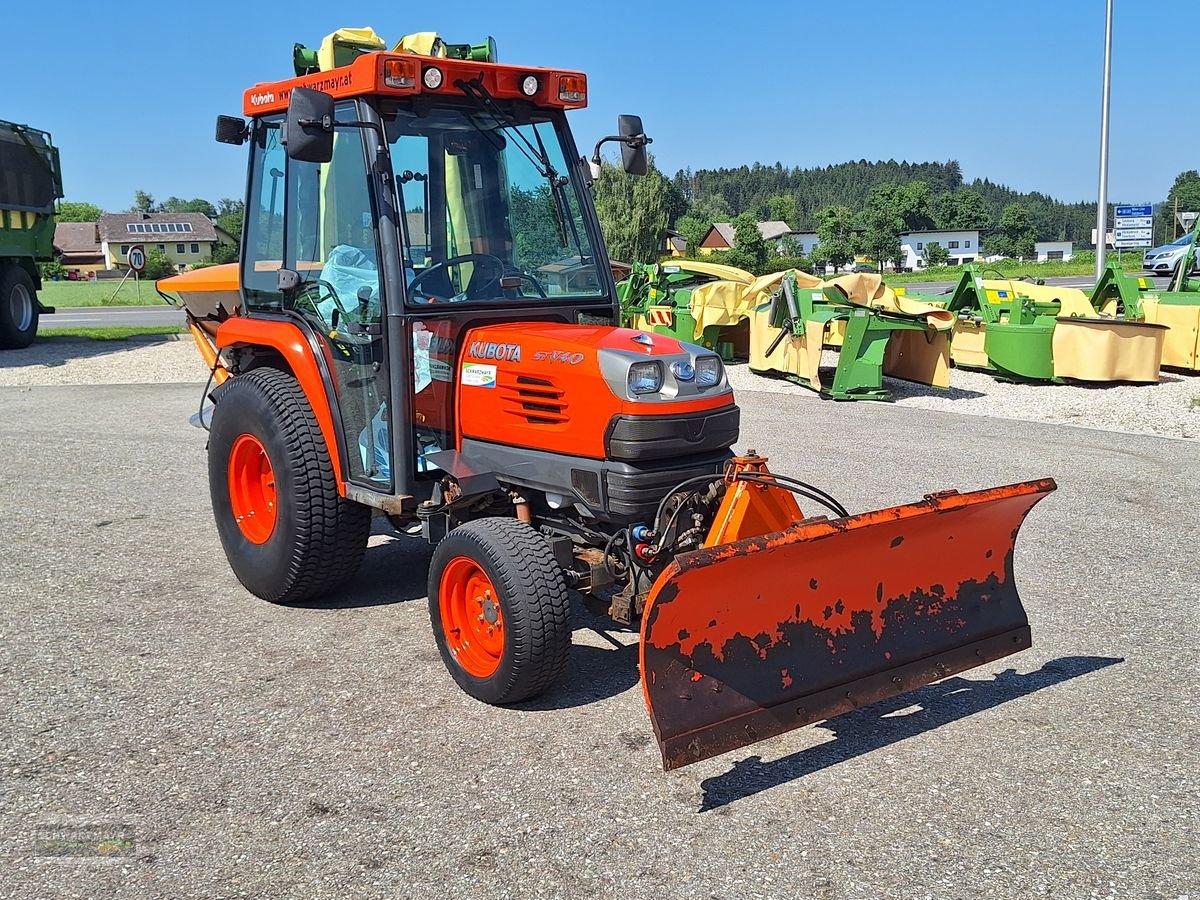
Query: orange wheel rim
[[252, 489], [472, 622]]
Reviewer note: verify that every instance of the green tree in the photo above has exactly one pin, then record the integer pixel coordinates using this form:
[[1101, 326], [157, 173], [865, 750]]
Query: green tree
[[963, 209], [199, 205], [143, 202], [790, 245], [72, 211], [1016, 235], [693, 229], [711, 209], [229, 216], [1185, 191], [782, 208], [633, 212], [749, 250], [837, 241], [883, 221], [224, 253], [157, 265], [534, 222], [935, 254]]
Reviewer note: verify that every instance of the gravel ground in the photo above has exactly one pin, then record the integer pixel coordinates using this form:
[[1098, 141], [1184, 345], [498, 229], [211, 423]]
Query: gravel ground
[[158, 359], [1170, 408], [262, 751]]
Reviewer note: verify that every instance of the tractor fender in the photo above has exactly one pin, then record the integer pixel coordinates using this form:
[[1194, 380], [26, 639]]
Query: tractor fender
[[290, 341]]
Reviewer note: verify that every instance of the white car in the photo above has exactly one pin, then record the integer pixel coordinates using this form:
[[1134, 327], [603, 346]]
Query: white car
[[1163, 260]]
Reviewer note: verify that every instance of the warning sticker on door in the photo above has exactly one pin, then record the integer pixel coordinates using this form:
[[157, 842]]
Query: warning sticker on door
[[478, 375]]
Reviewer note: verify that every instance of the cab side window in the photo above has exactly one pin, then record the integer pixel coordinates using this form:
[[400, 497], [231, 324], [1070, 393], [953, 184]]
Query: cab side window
[[264, 217]]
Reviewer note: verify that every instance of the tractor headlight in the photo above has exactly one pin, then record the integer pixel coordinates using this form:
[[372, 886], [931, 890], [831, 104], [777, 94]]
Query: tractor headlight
[[645, 377], [708, 371]]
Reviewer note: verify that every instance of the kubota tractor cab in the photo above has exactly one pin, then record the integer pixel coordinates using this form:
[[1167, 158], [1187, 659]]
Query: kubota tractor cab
[[425, 330]]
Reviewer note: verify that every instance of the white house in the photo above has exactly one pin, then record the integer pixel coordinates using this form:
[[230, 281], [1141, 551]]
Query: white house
[[807, 241], [1046, 250], [963, 246]]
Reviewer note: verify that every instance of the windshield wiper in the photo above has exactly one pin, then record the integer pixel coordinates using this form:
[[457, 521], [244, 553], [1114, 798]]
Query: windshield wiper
[[536, 154]]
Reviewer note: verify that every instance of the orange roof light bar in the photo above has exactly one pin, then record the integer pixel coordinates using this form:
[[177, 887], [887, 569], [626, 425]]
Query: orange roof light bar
[[406, 74]]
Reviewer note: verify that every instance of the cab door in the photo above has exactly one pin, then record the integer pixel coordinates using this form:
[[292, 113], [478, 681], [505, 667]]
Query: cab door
[[317, 219]]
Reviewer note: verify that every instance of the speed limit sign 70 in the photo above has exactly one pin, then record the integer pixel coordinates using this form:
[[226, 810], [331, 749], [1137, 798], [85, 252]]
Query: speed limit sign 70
[[137, 258]]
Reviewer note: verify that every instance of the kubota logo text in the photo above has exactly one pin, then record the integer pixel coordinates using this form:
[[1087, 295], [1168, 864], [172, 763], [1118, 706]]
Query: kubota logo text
[[261, 99], [488, 350]]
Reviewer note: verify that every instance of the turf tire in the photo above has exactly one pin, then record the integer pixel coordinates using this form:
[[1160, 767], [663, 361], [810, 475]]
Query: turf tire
[[533, 600], [319, 537]]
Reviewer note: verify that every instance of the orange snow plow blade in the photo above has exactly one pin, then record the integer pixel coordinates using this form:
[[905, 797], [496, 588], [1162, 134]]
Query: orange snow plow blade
[[744, 640]]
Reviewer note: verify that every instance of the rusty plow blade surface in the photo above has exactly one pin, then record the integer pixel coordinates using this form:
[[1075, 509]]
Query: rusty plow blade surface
[[746, 640]]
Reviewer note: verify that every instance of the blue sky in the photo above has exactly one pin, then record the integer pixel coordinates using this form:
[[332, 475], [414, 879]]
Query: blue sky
[[1009, 88]]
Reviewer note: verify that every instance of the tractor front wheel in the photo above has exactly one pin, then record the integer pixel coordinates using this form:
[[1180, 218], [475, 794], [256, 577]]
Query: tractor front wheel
[[289, 536], [500, 610]]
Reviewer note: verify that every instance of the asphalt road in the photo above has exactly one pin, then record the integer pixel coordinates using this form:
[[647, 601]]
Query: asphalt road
[[247, 750], [111, 316]]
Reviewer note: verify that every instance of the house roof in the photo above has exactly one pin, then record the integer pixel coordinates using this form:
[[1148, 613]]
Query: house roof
[[974, 231], [676, 242], [76, 238], [771, 231], [724, 231], [114, 227]]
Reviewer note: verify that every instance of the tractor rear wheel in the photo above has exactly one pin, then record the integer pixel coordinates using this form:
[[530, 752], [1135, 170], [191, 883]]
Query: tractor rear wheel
[[289, 536], [18, 308], [500, 610]]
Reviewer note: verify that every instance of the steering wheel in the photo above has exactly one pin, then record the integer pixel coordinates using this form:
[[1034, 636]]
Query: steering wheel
[[324, 289], [489, 269], [525, 276]]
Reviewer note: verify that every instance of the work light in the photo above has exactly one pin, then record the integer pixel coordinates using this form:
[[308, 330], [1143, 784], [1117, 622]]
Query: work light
[[432, 78], [645, 377], [529, 85], [708, 371]]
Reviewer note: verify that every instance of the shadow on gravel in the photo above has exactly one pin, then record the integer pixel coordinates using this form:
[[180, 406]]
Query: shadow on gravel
[[595, 673], [51, 350], [877, 726]]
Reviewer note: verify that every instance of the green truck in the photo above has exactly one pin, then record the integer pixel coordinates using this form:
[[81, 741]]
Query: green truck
[[30, 183]]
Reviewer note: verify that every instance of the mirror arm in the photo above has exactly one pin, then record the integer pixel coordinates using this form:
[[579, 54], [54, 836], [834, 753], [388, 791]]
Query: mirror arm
[[632, 140]]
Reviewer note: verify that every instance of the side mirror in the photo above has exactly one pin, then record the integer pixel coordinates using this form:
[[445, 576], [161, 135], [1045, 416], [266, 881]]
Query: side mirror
[[633, 147], [231, 130], [308, 132], [633, 143]]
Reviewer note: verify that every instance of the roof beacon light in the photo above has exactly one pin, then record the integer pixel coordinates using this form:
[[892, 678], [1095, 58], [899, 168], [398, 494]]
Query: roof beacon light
[[530, 85], [400, 73], [433, 77]]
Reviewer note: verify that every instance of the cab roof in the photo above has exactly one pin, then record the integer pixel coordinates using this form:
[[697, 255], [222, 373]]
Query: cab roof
[[408, 75]]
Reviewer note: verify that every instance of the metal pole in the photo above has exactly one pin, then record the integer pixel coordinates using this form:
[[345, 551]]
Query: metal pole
[[1102, 200]]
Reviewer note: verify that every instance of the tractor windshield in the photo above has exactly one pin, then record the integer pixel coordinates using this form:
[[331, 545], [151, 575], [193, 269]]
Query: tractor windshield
[[493, 210]]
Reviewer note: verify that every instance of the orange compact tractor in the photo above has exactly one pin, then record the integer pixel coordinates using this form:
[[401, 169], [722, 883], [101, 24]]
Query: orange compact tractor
[[421, 328]]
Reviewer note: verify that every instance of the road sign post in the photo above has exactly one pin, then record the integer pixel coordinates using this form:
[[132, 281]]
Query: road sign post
[[1133, 227], [136, 258]]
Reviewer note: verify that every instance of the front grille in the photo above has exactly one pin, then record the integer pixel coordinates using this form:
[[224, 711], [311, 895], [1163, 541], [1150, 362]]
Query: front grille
[[537, 401]]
